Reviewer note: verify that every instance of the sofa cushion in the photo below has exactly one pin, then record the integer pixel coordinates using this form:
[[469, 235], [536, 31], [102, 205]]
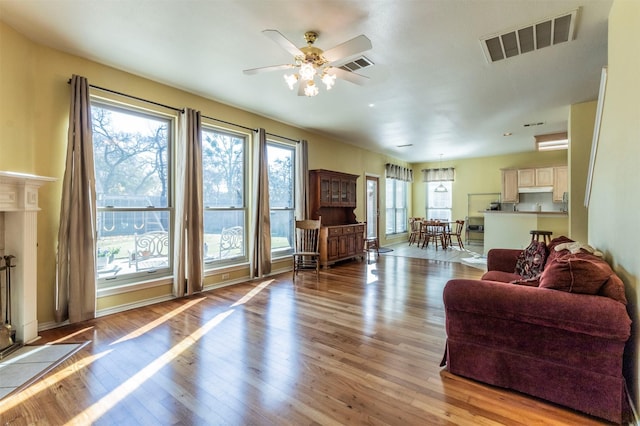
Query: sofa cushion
[[553, 253], [501, 276], [576, 273], [614, 289], [532, 260]]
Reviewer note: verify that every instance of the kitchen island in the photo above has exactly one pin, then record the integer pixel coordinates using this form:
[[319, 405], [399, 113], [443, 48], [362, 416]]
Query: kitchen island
[[507, 229]]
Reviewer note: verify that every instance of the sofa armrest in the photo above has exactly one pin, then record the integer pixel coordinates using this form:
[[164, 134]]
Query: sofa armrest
[[502, 259]]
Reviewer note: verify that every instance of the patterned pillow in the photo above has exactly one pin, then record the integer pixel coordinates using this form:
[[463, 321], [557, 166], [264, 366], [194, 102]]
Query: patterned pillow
[[530, 263]]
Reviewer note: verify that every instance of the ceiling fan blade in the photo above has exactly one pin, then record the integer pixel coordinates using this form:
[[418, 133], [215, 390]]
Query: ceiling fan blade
[[284, 42], [348, 48], [351, 77], [253, 71]]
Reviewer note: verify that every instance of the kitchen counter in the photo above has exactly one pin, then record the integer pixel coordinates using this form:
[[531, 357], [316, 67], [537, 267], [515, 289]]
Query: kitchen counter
[[509, 229], [506, 212]]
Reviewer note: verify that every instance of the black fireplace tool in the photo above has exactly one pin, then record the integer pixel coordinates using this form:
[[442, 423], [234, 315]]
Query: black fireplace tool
[[6, 330]]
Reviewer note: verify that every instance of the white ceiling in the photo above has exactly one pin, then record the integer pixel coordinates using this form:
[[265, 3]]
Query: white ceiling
[[431, 85]]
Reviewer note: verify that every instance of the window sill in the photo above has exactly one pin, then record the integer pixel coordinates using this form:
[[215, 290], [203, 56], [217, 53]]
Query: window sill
[[129, 287]]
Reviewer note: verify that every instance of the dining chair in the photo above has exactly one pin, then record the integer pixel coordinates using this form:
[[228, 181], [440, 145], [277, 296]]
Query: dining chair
[[457, 232], [415, 230], [434, 231], [306, 254]]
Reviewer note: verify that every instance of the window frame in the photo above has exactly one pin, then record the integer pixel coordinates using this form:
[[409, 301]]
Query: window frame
[[429, 188], [106, 284], [213, 264], [279, 253], [394, 209]]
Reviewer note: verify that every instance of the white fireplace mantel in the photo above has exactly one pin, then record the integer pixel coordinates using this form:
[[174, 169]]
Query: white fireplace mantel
[[19, 202]]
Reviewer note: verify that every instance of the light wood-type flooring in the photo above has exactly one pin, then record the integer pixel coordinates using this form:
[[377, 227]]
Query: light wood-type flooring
[[361, 345]]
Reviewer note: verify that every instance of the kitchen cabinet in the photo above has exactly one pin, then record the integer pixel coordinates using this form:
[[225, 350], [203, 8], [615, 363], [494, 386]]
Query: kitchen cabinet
[[526, 177], [510, 186], [560, 182], [542, 176]]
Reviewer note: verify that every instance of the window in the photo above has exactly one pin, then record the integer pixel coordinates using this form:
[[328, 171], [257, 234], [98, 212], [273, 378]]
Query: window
[[439, 203], [281, 197], [224, 185], [396, 194], [132, 155]]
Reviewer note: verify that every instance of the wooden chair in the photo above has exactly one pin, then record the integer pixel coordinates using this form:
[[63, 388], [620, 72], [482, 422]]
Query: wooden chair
[[415, 230], [306, 254], [371, 244], [434, 231], [457, 232]]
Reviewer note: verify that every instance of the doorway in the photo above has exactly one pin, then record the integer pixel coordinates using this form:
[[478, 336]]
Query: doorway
[[373, 208]]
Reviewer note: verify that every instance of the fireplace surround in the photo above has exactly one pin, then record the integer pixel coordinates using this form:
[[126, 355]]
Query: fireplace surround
[[18, 237]]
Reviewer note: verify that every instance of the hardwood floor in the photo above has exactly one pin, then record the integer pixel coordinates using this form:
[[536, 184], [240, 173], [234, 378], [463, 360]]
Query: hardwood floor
[[361, 345]]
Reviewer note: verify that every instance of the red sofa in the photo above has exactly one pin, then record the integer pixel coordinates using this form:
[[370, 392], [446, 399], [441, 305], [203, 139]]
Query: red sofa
[[544, 337]]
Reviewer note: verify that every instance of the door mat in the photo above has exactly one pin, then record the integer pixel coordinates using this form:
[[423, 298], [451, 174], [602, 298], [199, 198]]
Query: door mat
[[29, 363], [384, 250]]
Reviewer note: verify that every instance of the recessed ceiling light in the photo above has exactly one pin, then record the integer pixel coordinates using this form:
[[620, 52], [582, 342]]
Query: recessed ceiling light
[[405, 145], [372, 105], [507, 134]]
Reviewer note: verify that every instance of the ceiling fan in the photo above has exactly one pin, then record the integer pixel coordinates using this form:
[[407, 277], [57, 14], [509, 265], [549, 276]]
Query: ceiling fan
[[310, 61]]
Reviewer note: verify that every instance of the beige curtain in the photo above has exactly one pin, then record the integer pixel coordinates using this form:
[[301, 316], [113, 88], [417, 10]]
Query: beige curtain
[[76, 268], [438, 175], [189, 223], [302, 180], [393, 171], [261, 241]]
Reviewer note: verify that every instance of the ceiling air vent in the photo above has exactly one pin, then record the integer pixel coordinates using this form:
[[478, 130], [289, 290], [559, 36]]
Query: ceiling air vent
[[357, 64], [517, 41]]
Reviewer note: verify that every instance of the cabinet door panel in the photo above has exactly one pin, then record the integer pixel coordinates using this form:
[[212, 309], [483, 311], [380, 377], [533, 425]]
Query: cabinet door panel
[[333, 247], [343, 246], [526, 177], [335, 191], [509, 186], [560, 183], [544, 176], [325, 191]]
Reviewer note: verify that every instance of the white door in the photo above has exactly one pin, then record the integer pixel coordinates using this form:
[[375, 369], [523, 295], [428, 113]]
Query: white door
[[373, 210]]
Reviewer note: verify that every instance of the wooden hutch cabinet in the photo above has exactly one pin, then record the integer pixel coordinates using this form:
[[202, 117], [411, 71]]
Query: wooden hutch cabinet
[[332, 196]]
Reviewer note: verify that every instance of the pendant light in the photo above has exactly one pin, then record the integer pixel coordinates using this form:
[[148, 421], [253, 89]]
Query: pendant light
[[441, 187]]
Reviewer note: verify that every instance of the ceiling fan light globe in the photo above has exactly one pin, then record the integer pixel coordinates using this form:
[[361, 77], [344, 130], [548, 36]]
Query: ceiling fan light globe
[[311, 89], [329, 80], [291, 80], [307, 71]]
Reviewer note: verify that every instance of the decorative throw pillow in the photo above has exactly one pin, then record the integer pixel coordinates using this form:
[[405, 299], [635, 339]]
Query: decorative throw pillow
[[530, 263], [576, 274]]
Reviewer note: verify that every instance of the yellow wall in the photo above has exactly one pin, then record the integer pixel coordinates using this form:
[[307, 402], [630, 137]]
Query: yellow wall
[[479, 175], [581, 124], [615, 196], [33, 129]]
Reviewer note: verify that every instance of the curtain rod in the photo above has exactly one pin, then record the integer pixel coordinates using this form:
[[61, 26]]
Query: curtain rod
[[181, 110], [284, 137], [133, 97], [227, 122]]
